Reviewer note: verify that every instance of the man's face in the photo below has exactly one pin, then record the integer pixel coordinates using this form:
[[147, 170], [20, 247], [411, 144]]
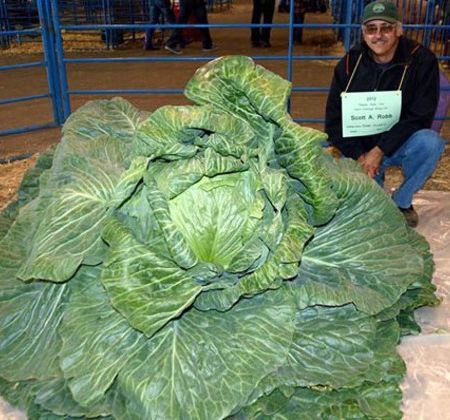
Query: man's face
[[382, 38]]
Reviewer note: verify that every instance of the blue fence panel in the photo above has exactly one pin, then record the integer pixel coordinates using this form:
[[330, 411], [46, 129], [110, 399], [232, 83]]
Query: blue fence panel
[[49, 64], [79, 12], [18, 15]]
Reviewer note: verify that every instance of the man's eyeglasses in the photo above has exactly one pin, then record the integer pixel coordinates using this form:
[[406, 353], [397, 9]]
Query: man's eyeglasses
[[373, 29]]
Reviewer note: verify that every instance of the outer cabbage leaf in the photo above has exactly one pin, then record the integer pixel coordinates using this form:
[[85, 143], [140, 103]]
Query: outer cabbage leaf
[[337, 347], [29, 314], [380, 401], [35, 312], [44, 399], [5, 224], [29, 186], [115, 118], [205, 364], [31, 181], [97, 340], [149, 290], [421, 292], [85, 188], [22, 395], [330, 347], [55, 397], [87, 176], [338, 268]]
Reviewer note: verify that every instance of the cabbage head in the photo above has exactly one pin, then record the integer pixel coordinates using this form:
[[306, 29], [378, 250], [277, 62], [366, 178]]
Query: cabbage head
[[205, 262]]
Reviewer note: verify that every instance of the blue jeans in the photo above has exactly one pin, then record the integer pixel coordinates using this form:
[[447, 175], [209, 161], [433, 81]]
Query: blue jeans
[[158, 8], [418, 158]]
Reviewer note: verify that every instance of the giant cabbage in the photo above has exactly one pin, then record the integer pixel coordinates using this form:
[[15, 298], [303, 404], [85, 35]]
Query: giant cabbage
[[205, 262]]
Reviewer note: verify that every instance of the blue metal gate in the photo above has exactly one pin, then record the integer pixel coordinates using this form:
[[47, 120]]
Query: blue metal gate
[[34, 20], [426, 20]]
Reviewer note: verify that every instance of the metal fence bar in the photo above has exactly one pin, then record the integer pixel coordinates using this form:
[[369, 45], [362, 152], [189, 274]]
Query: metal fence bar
[[310, 89], [28, 129], [47, 33], [20, 32], [23, 65], [348, 21], [142, 26], [49, 53], [309, 120], [203, 58], [290, 57], [107, 17], [291, 42], [60, 63], [23, 98], [428, 19], [124, 91]]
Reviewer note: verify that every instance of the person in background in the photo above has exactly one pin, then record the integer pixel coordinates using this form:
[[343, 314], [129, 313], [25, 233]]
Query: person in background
[[187, 8], [401, 76], [158, 8], [264, 9], [299, 17]]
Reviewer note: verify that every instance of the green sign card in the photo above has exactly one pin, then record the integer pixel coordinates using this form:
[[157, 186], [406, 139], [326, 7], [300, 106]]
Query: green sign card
[[367, 113]]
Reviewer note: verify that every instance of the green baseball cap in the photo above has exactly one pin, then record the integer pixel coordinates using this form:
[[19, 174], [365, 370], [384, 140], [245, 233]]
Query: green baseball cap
[[380, 10]]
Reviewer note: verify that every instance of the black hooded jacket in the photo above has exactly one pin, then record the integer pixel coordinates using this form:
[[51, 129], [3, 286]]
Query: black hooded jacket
[[420, 95]]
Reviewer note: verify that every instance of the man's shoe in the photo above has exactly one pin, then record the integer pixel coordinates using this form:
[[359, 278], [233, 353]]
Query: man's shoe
[[411, 216], [265, 44], [174, 50], [211, 48], [256, 44]]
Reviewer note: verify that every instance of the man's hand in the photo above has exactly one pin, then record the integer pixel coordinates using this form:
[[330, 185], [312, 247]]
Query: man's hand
[[371, 161]]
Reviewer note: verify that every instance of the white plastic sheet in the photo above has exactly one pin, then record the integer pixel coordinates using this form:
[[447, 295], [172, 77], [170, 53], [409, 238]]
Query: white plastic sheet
[[427, 385]]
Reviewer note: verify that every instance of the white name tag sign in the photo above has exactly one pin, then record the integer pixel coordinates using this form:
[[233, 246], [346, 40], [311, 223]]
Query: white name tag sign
[[368, 113]]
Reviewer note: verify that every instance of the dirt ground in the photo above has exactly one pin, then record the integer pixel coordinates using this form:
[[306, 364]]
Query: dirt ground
[[166, 74]]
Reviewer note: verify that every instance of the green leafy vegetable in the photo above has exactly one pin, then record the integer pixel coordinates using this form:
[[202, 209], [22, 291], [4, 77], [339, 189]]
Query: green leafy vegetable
[[205, 262]]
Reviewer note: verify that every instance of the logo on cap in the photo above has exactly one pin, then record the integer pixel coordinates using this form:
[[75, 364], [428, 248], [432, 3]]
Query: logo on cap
[[378, 8]]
